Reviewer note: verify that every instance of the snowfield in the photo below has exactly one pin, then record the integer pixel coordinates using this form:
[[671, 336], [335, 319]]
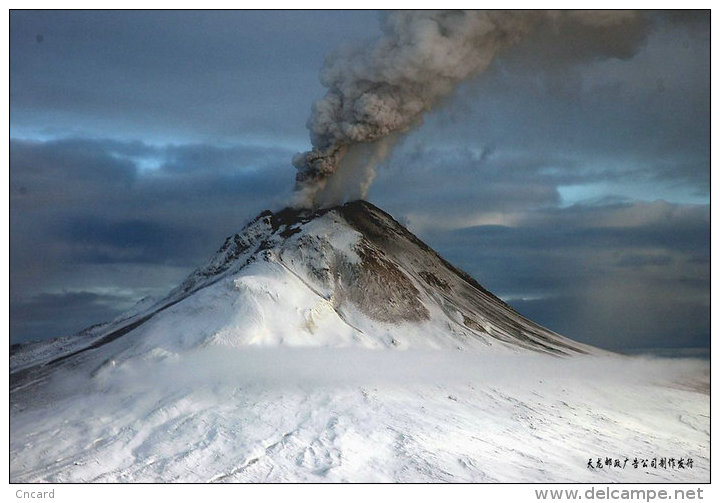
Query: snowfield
[[335, 415], [335, 346]]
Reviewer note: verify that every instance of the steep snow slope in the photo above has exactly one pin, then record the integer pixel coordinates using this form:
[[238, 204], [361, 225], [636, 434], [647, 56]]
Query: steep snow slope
[[263, 365]]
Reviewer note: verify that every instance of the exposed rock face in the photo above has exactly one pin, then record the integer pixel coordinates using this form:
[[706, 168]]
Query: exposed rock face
[[480, 311]]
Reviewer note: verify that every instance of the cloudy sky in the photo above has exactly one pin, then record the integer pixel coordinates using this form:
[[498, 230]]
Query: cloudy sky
[[576, 187]]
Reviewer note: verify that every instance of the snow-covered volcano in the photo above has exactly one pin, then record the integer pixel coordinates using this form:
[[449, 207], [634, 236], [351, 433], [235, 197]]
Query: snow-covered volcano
[[345, 276], [257, 368]]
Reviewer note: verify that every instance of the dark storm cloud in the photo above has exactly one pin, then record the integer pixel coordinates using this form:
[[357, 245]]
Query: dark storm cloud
[[201, 74], [59, 314], [94, 240], [597, 273], [453, 183], [197, 157], [622, 323], [79, 160], [649, 225], [84, 192], [450, 187]]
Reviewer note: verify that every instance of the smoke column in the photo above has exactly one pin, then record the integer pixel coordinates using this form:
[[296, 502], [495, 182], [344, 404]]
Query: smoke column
[[379, 92]]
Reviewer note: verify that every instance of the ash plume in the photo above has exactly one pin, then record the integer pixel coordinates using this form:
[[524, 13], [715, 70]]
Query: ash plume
[[378, 92]]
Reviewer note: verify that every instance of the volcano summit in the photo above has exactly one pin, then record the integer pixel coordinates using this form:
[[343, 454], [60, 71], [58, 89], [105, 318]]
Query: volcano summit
[[344, 276], [334, 345]]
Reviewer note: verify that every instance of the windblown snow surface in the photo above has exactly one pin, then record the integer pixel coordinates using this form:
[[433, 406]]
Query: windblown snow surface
[[320, 349]]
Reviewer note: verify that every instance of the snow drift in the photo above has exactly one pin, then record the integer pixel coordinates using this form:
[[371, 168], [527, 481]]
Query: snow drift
[[333, 345]]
